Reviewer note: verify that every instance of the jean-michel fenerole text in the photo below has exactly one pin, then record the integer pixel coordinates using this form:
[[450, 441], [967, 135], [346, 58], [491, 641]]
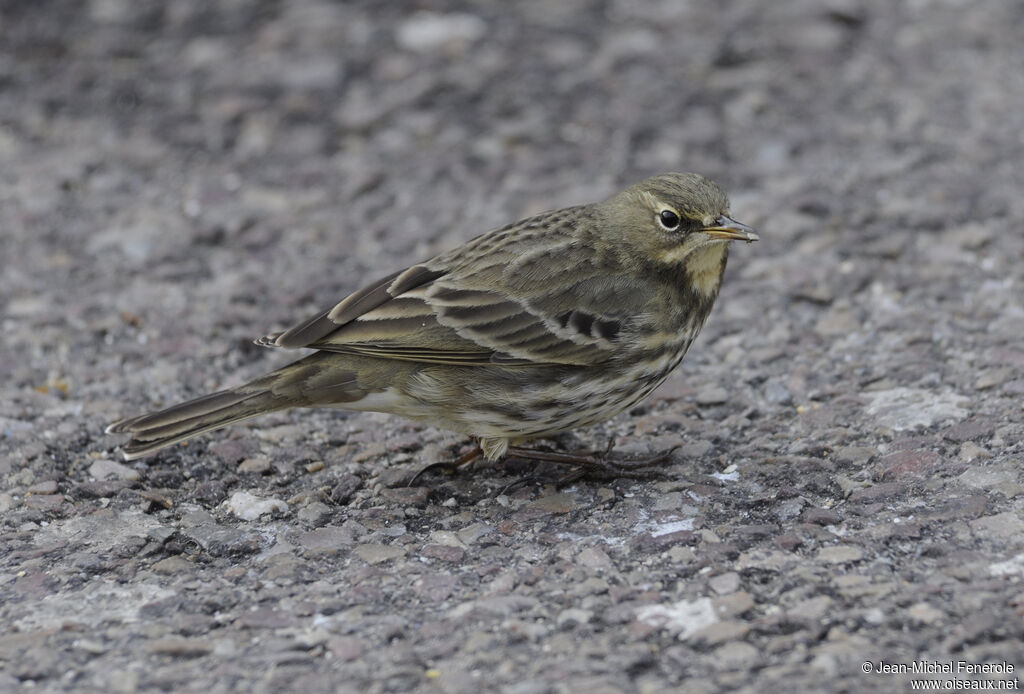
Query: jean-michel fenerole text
[[935, 667]]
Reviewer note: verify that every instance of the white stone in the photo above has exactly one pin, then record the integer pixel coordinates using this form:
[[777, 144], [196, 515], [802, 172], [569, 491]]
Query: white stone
[[901, 409], [109, 470], [683, 618], [250, 507], [429, 31]]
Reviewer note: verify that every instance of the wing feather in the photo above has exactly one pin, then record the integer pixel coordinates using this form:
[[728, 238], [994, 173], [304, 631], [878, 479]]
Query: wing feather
[[487, 303]]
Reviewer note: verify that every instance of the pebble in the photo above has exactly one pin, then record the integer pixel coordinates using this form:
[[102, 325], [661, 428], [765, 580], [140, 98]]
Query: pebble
[[837, 322], [105, 470], [1014, 566], [594, 558], [376, 553], [196, 518], [329, 539], [223, 541], [551, 504], [44, 502], [91, 647], [812, 609], [446, 538], [172, 565], [776, 392], [854, 454], [443, 553], [770, 560], [736, 655], [924, 613], [430, 31], [721, 632], [415, 497], [472, 533], [680, 554], [821, 516], [994, 378], [733, 604], [250, 507], [345, 648], [971, 451], [971, 430], [231, 451], [903, 409], [840, 554], [496, 605], [913, 463], [210, 492], [1005, 480], [692, 450], [683, 618], [715, 395], [573, 617], [1004, 526], [44, 487], [726, 583], [254, 466], [266, 618], [315, 513], [344, 488], [179, 648], [435, 587], [591, 586]]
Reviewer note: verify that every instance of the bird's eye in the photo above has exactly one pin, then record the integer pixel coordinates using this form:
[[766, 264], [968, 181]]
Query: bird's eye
[[669, 219]]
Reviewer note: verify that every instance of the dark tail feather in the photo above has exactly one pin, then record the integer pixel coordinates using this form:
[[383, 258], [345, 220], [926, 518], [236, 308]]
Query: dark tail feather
[[151, 432], [321, 378]]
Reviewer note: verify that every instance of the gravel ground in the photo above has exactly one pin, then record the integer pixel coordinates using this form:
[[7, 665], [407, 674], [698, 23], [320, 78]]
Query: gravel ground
[[178, 178]]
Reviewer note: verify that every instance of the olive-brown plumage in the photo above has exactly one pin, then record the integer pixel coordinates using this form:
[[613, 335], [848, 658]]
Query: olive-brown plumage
[[554, 322]]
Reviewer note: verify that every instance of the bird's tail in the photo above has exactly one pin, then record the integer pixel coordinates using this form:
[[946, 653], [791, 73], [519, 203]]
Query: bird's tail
[[156, 430], [322, 378]]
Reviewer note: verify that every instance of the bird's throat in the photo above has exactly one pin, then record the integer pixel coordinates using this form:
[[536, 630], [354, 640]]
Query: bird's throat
[[704, 268]]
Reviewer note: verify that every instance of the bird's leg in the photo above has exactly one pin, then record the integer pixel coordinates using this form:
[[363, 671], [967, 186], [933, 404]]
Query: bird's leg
[[521, 482], [587, 465], [449, 467]]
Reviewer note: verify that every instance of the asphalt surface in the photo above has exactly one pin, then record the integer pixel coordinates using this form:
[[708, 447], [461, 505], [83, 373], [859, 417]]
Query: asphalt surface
[[844, 490]]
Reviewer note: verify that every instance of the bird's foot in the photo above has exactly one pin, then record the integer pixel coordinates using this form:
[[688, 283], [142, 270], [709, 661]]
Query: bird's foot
[[596, 466], [585, 464], [448, 467]]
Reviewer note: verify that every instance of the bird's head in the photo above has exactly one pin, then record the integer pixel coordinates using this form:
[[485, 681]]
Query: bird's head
[[676, 221]]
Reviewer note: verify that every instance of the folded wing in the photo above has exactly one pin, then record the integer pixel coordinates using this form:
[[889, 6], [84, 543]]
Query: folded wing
[[487, 303]]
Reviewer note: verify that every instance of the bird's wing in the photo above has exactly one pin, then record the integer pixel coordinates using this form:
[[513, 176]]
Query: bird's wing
[[519, 295]]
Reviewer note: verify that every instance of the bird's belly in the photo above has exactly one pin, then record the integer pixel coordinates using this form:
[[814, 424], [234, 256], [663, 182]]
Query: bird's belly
[[522, 402]]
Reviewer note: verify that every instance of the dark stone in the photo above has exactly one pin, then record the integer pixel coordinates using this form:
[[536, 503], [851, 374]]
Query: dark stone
[[210, 492], [821, 516], [878, 492], [223, 541], [407, 496], [911, 463], [970, 430], [443, 553], [344, 488]]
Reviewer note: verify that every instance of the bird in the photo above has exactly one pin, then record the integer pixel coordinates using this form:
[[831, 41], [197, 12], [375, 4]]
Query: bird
[[558, 321]]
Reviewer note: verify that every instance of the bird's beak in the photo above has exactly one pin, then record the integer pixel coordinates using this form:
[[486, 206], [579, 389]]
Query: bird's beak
[[728, 229]]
